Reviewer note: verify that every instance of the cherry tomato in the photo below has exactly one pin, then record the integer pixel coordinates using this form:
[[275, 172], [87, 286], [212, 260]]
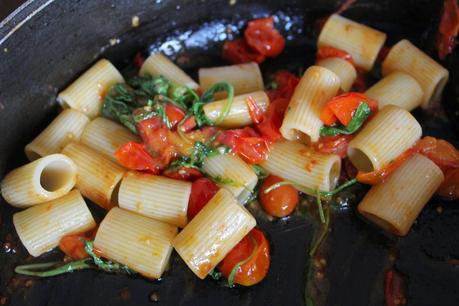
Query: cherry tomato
[[279, 202], [252, 253], [286, 84], [188, 124], [202, 190], [239, 52], [272, 119], [441, 152], [73, 246], [333, 144], [448, 28], [174, 115], [327, 52], [133, 155], [246, 143], [264, 38], [341, 108], [450, 187], [138, 60], [184, 174]]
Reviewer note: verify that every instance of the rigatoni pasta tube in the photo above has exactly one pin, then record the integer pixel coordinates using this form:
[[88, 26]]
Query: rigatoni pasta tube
[[98, 177], [239, 114], [42, 180], [342, 68], [302, 118], [66, 127], [232, 173], [106, 136], [157, 197], [360, 41], [140, 243], [213, 232], [158, 64], [86, 94], [302, 165], [40, 228], [245, 78], [395, 204], [430, 75], [392, 131], [397, 88]]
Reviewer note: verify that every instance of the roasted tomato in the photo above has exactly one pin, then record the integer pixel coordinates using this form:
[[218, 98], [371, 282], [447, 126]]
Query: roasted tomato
[[73, 245], [184, 174], [333, 144], [279, 202], [202, 190], [248, 262], [264, 38], [327, 52], [449, 189], [239, 52], [134, 156]]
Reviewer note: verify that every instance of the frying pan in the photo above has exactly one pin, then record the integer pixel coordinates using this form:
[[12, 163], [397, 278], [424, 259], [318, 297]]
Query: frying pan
[[45, 44]]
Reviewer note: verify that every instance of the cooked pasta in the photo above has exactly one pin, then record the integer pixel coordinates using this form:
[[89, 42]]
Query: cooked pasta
[[430, 75], [342, 68], [86, 94], [395, 204], [245, 78], [239, 113], [392, 131], [158, 64], [217, 228], [141, 243], [157, 197], [66, 127], [397, 88], [106, 136], [98, 177], [361, 41], [302, 165], [301, 119], [41, 227], [232, 173], [42, 180]]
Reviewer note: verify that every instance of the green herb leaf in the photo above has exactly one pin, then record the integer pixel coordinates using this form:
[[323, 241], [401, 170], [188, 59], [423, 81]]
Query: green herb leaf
[[260, 172], [119, 104], [218, 87], [149, 86], [195, 160], [183, 95], [361, 114], [215, 274]]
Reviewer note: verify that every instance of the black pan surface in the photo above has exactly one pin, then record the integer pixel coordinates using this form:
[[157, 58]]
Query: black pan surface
[[46, 44]]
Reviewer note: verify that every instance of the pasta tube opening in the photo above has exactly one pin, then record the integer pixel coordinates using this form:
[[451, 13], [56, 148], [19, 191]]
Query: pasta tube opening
[[56, 174], [360, 160]]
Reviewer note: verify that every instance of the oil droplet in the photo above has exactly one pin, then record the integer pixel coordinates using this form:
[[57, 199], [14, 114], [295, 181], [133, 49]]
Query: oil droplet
[[158, 1], [178, 7], [135, 21], [154, 297], [5, 50]]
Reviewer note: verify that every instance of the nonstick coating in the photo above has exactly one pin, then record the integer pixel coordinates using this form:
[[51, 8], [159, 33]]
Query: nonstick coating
[[46, 44]]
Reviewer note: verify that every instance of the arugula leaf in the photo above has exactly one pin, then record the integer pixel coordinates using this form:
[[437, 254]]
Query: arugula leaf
[[196, 158], [215, 274], [119, 104], [209, 96], [183, 95], [105, 265], [259, 171], [149, 86], [361, 114]]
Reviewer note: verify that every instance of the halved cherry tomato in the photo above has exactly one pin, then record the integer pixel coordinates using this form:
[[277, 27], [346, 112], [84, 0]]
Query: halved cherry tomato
[[441, 152], [246, 143], [450, 187], [333, 144], [238, 52], [174, 115], [380, 175], [134, 156], [184, 174], [255, 112], [188, 124], [327, 52], [272, 119], [73, 246], [202, 190], [342, 108], [394, 289], [264, 38], [279, 202], [448, 28], [154, 134], [252, 252], [286, 84]]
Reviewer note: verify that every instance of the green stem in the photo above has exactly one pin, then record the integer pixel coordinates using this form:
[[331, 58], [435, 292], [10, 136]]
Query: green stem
[[37, 269], [319, 207], [236, 267], [310, 191], [322, 235]]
